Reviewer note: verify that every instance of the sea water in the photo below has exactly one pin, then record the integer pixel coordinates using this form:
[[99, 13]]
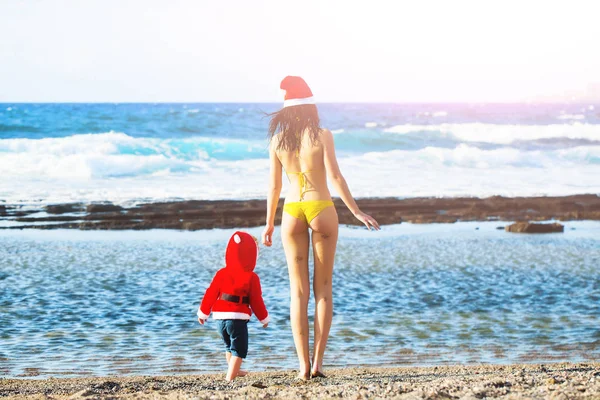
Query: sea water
[[124, 302], [102, 303], [130, 153]]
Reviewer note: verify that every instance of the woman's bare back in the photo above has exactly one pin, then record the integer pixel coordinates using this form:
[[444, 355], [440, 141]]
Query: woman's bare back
[[306, 171]]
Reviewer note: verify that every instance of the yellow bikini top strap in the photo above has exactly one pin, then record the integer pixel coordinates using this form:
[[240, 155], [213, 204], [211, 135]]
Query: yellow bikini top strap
[[302, 181]]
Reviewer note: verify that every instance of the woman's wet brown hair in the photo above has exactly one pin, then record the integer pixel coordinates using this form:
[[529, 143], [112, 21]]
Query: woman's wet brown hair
[[291, 123]]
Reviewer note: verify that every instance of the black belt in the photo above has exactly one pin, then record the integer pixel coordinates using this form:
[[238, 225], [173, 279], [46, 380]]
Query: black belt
[[235, 299]]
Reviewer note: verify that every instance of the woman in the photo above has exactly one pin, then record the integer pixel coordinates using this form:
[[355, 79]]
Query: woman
[[306, 152]]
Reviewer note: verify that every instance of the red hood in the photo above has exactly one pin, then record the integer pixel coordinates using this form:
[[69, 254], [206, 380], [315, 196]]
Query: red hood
[[241, 253]]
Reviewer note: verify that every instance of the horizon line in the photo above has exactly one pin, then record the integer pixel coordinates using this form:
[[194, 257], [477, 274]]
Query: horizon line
[[573, 102]]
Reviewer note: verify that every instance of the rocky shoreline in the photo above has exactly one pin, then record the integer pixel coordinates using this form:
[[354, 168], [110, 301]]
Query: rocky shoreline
[[535, 381], [200, 214]]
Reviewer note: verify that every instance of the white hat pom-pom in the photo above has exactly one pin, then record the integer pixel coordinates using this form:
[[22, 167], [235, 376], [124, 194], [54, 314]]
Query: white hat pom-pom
[[237, 238]]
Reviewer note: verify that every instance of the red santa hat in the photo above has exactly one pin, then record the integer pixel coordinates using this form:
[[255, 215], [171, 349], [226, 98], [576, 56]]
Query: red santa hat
[[242, 252], [297, 92]]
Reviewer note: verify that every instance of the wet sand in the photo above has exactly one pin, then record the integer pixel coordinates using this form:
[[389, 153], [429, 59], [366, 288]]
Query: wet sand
[[551, 381], [194, 214]]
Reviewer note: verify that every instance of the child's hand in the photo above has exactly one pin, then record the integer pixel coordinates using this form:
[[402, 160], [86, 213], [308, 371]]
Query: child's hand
[[201, 321], [265, 325]]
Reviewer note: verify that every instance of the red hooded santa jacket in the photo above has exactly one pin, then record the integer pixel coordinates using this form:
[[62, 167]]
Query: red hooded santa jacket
[[235, 290]]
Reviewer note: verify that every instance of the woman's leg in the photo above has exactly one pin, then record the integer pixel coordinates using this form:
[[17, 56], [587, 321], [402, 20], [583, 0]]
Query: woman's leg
[[294, 235], [324, 240]]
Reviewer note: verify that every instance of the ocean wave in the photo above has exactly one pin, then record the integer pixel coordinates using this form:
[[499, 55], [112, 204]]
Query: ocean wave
[[116, 167], [416, 138], [502, 134], [120, 143], [465, 156], [115, 155]]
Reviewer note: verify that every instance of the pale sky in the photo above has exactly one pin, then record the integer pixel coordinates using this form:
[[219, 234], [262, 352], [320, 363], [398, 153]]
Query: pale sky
[[348, 51]]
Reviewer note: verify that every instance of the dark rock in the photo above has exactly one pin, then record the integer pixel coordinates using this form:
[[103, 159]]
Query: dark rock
[[526, 227], [47, 219], [225, 214], [102, 208], [64, 208]]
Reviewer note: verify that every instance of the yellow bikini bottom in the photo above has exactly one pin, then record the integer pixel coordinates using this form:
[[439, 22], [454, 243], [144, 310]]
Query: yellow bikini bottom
[[306, 210]]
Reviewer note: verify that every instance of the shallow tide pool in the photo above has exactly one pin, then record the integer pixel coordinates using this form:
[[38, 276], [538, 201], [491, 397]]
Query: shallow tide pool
[[124, 302]]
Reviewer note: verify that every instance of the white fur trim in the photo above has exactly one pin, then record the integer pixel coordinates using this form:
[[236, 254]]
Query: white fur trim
[[237, 238], [230, 315], [266, 320], [201, 315], [298, 102]]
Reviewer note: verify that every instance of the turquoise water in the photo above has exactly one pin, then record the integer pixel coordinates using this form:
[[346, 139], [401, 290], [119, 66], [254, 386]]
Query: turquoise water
[[103, 303], [152, 152]]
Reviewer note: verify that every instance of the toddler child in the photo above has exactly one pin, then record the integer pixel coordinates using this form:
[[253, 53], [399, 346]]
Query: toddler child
[[232, 296]]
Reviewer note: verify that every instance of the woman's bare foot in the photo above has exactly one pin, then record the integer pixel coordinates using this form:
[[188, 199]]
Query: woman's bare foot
[[315, 371], [317, 374], [303, 376]]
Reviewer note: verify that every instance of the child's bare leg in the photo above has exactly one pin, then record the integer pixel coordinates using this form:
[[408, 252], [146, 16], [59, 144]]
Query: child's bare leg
[[241, 372], [234, 368]]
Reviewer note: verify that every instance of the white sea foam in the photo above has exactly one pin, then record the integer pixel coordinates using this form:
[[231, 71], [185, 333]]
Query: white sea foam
[[370, 124], [440, 114], [503, 134], [571, 116], [94, 167], [467, 171]]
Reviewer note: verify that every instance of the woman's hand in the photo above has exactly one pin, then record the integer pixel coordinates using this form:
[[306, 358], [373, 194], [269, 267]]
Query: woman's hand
[[367, 220], [267, 235], [201, 321]]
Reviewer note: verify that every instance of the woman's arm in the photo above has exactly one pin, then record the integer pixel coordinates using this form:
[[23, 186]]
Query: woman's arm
[[339, 183], [273, 194]]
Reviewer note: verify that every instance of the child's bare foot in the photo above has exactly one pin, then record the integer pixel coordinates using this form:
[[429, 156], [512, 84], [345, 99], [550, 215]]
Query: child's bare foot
[[242, 373], [234, 368]]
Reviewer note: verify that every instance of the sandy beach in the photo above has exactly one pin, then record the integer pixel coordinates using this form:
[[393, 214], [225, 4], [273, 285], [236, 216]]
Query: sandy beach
[[527, 381]]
